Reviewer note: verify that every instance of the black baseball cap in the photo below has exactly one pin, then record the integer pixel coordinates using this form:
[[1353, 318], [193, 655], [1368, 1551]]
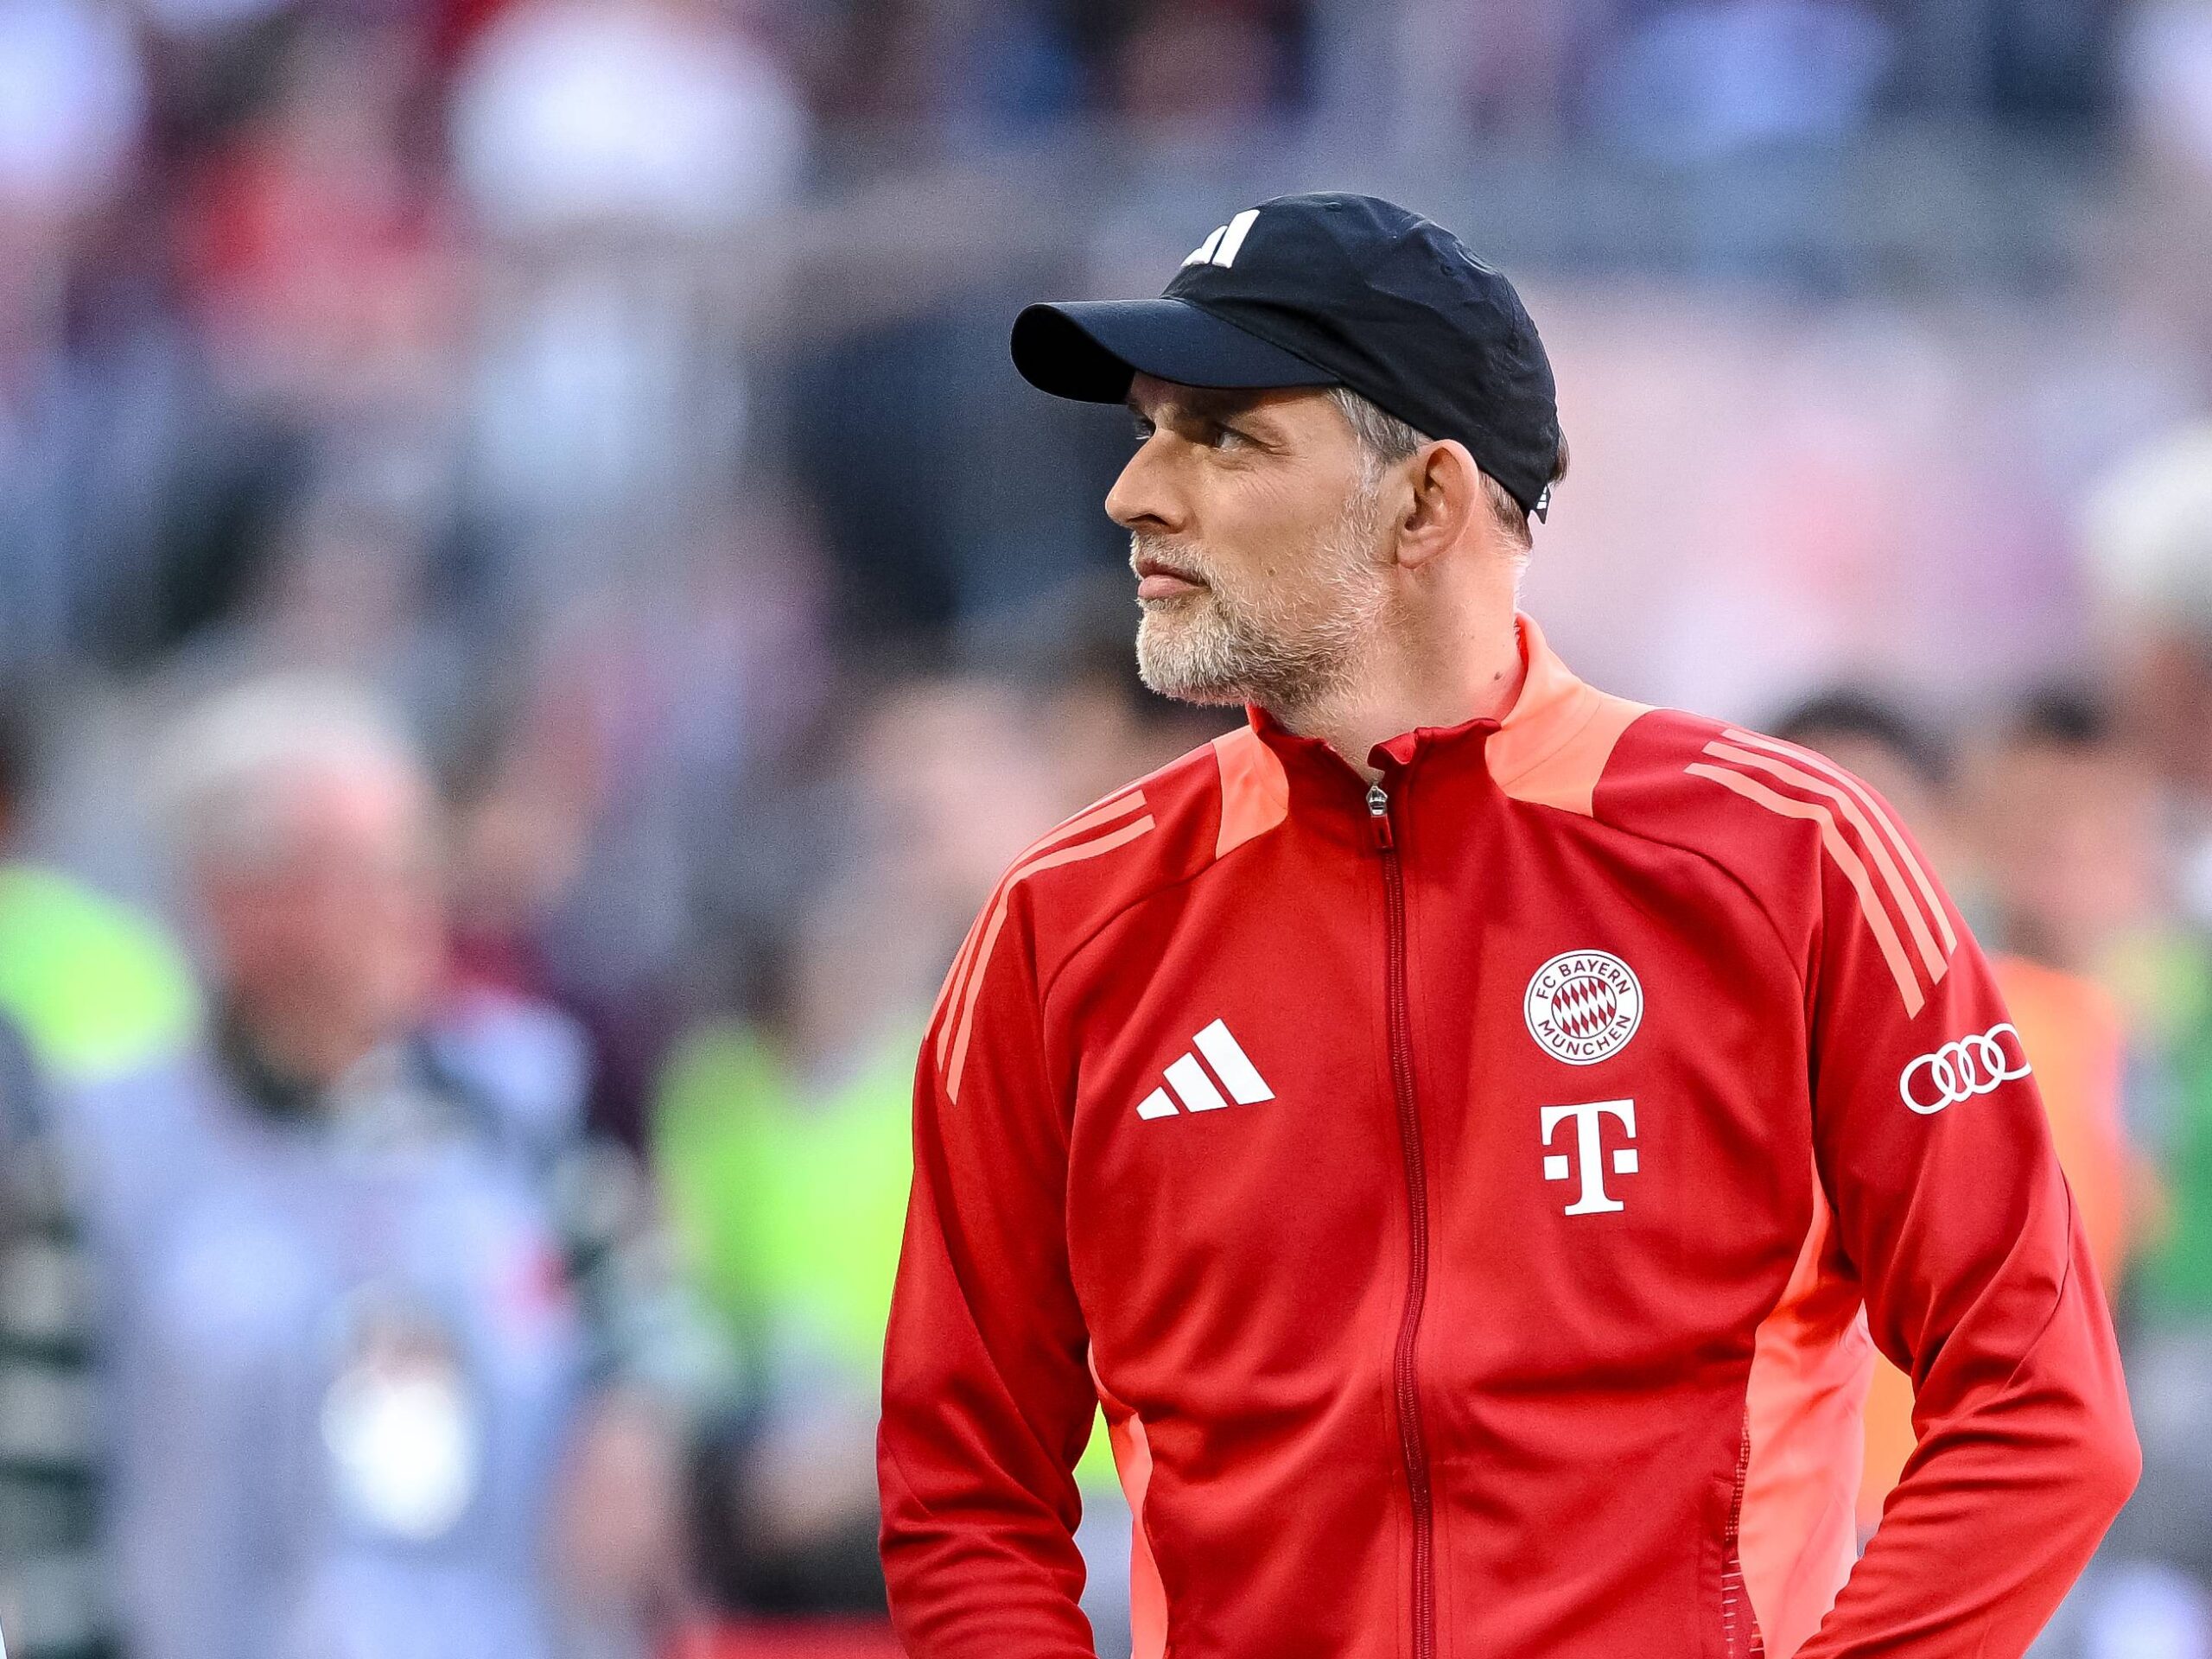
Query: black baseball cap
[[1327, 291]]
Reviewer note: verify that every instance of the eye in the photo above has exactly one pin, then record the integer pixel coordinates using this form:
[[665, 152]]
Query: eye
[[1224, 437], [1140, 428]]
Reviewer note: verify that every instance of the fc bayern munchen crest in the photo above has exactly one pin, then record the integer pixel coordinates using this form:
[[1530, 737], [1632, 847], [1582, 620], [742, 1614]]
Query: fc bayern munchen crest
[[1583, 1005]]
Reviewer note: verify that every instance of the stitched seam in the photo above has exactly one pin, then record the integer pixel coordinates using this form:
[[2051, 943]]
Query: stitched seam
[[1045, 993], [1781, 939]]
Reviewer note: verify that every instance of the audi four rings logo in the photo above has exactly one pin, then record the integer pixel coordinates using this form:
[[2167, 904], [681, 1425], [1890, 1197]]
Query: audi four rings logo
[[1959, 1071]]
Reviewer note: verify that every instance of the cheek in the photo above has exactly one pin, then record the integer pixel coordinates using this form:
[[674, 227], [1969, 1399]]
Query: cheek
[[1264, 539], [408, 925], [1283, 511], [273, 932]]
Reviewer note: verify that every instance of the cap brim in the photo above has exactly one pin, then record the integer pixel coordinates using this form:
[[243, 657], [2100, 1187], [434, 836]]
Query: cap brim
[[1090, 350]]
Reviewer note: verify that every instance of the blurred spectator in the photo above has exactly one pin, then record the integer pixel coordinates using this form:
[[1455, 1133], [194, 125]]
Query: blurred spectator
[[638, 789], [624, 114], [1183, 70], [93, 988], [1699, 79], [272, 328], [318, 244], [2072, 850], [2078, 867], [2047, 918], [56, 1598], [73, 101], [87, 990], [613, 151], [782, 1141], [1868, 736], [385, 1350], [784, 1145], [2147, 533]]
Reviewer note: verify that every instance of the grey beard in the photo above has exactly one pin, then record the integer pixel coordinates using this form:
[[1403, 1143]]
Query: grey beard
[[1210, 649], [1224, 656]]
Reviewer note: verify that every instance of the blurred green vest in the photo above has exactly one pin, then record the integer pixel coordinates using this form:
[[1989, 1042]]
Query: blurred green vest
[[789, 1202], [2164, 980], [95, 987], [788, 1206]]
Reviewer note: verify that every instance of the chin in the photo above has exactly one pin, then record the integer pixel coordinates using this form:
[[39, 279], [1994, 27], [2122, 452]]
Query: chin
[[1180, 656], [1171, 673], [1199, 694]]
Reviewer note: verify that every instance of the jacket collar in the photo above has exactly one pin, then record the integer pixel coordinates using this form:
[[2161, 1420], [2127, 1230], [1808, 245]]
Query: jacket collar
[[1551, 707]]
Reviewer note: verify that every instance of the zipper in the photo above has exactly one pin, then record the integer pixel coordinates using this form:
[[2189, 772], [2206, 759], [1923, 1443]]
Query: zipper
[[1412, 1443]]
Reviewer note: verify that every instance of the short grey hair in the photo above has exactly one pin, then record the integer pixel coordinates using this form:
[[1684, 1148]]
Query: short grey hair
[[1385, 440], [227, 760]]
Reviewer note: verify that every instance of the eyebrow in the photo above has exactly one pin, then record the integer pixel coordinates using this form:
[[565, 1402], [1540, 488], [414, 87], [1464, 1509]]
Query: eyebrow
[[1207, 402]]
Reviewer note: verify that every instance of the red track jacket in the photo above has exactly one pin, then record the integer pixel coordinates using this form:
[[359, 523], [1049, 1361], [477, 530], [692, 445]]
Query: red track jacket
[[1476, 1201]]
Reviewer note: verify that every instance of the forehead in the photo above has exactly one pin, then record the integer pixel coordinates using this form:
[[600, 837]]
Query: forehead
[[338, 809]]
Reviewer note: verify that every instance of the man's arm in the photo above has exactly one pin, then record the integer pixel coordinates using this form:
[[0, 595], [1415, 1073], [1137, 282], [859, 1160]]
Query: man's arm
[[1977, 1283], [987, 1394]]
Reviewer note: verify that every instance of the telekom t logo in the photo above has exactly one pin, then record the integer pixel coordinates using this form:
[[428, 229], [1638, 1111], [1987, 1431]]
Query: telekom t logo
[[1589, 1150]]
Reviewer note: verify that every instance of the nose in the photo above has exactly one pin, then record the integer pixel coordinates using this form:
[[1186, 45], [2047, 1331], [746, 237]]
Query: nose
[[1143, 498]]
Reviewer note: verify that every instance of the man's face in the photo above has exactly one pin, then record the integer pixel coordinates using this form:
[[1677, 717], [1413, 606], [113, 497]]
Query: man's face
[[333, 925], [2072, 840], [1256, 537]]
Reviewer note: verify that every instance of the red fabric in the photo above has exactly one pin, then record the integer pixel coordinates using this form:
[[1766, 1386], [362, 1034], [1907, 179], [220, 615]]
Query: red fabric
[[1408, 1386]]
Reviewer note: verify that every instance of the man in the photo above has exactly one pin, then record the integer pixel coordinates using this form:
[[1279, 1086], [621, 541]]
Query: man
[[87, 989], [1454, 1122], [361, 1278]]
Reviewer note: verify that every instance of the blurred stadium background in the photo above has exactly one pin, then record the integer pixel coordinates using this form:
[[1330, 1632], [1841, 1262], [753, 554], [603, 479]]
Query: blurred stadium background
[[610, 397]]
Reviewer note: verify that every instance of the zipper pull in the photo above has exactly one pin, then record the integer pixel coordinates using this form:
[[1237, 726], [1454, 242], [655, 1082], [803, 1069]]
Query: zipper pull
[[1379, 814]]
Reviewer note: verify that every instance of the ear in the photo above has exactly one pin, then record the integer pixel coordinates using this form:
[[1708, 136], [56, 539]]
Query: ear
[[1447, 496]]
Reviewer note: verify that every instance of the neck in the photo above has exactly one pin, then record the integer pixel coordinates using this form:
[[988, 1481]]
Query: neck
[[1422, 673], [296, 1057]]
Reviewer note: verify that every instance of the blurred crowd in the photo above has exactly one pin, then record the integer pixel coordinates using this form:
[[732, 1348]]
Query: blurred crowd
[[532, 614]]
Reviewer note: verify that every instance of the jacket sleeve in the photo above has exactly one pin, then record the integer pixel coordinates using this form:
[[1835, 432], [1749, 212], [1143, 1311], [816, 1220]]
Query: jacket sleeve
[[1976, 1273], [987, 1394]]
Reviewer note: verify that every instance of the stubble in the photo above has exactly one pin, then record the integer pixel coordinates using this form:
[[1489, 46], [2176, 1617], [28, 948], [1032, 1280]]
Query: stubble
[[1289, 646]]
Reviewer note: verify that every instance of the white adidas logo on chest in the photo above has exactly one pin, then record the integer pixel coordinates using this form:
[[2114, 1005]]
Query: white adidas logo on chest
[[1197, 1089]]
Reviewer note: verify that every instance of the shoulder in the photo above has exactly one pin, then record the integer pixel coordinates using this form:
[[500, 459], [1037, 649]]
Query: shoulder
[[1159, 831], [132, 1141], [522, 1066], [1659, 781], [1786, 821], [1698, 781], [148, 1098]]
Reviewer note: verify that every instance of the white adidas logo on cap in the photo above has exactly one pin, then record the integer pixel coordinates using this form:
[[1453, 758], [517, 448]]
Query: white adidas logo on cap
[[1220, 248]]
